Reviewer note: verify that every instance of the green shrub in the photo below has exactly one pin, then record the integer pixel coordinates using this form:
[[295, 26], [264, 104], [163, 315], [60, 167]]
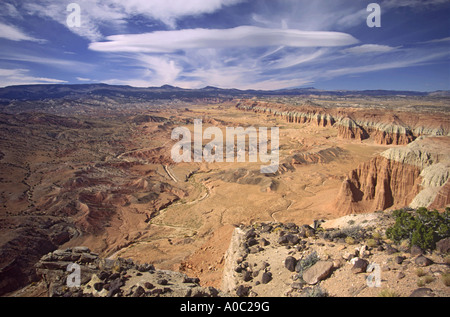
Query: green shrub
[[315, 291], [371, 243], [307, 262], [350, 240], [421, 227], [420, 272], [446, 279], [388, 293]]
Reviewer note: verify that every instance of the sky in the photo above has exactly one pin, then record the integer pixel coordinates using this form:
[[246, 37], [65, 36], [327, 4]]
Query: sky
[[243, 44]]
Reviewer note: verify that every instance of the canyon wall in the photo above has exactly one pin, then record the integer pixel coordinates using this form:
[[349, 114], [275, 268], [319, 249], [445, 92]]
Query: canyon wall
[[384, 127], [416, 175]]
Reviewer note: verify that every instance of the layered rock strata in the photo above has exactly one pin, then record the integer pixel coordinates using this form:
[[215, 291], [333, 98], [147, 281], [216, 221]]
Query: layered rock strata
[[384, 127], [416, 175]]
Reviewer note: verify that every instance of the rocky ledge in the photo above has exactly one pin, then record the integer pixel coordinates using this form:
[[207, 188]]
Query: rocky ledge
[[99, 277], [345, 257]]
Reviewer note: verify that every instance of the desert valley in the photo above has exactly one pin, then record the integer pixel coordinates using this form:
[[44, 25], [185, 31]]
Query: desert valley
[[91, 166]]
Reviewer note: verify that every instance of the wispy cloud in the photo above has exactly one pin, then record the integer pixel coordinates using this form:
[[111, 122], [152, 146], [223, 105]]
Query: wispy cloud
[[9, 77], [96, 14], [400, 63], [169, 11], [49, 61], [369, 48], [14, 33], [83, 79], [261, 44]]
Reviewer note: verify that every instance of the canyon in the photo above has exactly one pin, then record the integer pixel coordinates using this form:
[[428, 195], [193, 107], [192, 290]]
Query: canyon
[[91, 165]]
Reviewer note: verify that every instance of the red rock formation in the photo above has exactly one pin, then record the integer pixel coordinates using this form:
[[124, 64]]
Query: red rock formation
[[384, 127], [378, 184], [349, 129], [442, 198], [386, 138]]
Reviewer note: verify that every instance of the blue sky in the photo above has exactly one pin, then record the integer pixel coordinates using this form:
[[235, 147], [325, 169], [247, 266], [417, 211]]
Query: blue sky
[[245, 44]]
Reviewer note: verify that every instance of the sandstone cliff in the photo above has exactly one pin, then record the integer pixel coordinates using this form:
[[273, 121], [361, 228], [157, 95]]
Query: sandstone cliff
[[415, 175], [384, 127]]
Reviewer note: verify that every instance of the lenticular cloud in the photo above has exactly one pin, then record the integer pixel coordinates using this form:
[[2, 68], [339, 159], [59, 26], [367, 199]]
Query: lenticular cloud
[[242, 36]]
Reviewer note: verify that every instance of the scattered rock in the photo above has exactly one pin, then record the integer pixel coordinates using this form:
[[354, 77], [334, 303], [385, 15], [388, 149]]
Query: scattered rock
[[81, 249], [138, 292], [360, 266], [162, 282], [247, 276], [318, 272], [416, 250], [423, 261], [306, 231], [348, 255], [288, 239], [290, 263], [364, 252], [114, 287], [266, 277], [399, 259], [112, 278], [263, 242], [443, 246], [422, 292], [251, 242], [242, 291], [391, 250]]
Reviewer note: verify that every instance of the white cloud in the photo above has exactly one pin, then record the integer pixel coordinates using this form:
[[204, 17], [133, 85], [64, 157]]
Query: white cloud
[[13, 33], [168, 11], [369, 48], [411, 3], [242, 36], [10, 10], [114, 13], [405, 62], [92, 15], [9, 77], [83, 79], [443, 40], [49, 61], [226, 58]]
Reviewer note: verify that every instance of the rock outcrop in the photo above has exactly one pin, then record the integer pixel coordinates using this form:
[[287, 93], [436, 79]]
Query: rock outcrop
[[415, 175], [384, 127], [77, 272], [337, 257]]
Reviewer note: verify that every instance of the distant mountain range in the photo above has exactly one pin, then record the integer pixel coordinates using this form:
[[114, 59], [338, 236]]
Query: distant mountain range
[[39, 92]]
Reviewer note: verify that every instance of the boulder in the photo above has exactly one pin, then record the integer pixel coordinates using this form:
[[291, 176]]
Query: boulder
[[266, 277], [359, 266], [288, 239], [422, 292], [443, 246], [242, 291], [263, 242], [416, 250], [319, 271], [306, 231], [399, 259], [290, 263], [423, 261]]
